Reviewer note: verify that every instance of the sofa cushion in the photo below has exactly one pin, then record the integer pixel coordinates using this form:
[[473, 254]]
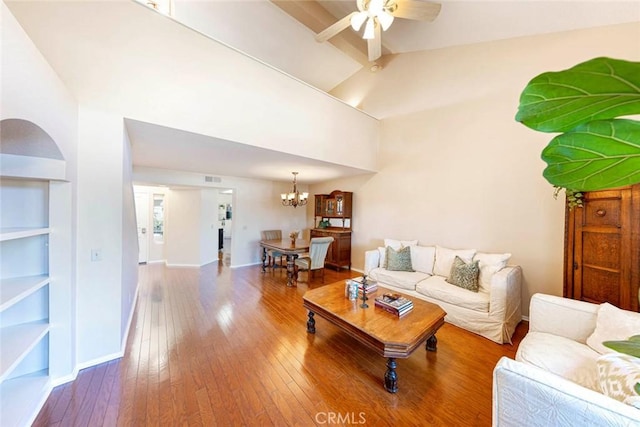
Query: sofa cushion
[[399, 260], [400, 279], [464, 275], [613, 324], [436, 287], [445, 257], [397, 244], [618, 375], [423, 258], [383, 257], [561, 356], [490, 264]]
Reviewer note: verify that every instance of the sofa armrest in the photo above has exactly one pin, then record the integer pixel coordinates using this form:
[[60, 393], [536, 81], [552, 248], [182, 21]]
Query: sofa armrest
[[371, 260], [565, 317], [505, 295], [525, 395]]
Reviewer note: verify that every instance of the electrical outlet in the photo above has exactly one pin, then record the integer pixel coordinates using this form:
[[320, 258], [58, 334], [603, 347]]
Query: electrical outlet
[[96, 254]]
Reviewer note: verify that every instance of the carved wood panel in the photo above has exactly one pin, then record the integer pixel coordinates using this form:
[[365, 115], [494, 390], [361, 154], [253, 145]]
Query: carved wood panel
[[602, 249]]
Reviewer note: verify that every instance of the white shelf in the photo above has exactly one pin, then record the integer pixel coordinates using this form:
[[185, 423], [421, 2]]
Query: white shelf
[[14, 290], [22, 232], [21, 398], [16, 342]]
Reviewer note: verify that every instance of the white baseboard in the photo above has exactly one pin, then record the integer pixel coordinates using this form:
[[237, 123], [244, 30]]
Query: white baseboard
[[183, 265], [125, 338], [99, 360]]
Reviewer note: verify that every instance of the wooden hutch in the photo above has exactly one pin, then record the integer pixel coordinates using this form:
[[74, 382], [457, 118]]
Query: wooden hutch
[[602, 248], [335, 206]]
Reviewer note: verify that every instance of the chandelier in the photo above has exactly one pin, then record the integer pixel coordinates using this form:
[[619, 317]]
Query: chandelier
[[295, 198]]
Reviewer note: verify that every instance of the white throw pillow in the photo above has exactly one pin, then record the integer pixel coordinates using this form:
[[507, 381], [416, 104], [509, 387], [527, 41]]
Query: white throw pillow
[[490, 264], [383, 257], [613, 324], [618, 374], [397, 244], [423, 258], [445, 257]]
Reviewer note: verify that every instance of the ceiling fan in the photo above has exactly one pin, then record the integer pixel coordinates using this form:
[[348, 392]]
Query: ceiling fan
[[377, 16]]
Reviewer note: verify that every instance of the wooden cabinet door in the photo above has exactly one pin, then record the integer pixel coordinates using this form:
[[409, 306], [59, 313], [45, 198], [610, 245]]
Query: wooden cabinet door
[[601, 250]]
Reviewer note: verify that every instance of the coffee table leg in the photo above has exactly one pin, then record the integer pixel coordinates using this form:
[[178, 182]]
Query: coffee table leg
[[432, 343], [311, 323], [391, 377]]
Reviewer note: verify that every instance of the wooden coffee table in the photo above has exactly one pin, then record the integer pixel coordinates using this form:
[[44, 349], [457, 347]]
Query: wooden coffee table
[[387, 334]]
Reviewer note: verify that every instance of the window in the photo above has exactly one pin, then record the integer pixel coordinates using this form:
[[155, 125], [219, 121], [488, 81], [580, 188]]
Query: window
[[158, 218]]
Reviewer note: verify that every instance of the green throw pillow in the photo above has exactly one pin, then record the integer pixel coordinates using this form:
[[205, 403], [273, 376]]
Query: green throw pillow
[[399, 260], [464, 275]]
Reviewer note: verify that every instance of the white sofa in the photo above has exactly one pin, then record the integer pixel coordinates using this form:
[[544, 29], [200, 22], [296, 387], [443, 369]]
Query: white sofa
[[558, 377], [492, 312]]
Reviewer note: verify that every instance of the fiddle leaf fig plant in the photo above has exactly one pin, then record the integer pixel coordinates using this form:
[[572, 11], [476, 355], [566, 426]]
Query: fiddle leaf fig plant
[[596, 148]]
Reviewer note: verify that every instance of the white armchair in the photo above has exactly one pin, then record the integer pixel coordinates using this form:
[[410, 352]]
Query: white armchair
[[554, 379], [314, 260]]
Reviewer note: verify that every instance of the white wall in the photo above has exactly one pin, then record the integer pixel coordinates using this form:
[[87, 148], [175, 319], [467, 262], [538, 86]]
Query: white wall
[[455, 168], [208, 226], [101, 207], [129, 232], [221, 89], [182, 244], [256, 207]]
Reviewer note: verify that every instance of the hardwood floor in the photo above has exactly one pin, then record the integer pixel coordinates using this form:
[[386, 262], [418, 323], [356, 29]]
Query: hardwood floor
[[215, 346]]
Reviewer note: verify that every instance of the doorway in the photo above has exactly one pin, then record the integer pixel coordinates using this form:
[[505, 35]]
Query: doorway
[[142, 219], [225, 223]]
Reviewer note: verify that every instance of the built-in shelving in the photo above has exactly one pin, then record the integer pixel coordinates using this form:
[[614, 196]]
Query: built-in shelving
[[16, 342], [13, 233], [15, 289], [21, 396], [36, 273], [24, 299]]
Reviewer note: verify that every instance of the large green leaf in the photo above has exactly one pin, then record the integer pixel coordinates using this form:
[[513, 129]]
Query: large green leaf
[[601, 88], [627, 347], [594, 156]]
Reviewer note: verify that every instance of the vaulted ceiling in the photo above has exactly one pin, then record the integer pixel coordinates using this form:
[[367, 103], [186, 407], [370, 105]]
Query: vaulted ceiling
[[281, 32]]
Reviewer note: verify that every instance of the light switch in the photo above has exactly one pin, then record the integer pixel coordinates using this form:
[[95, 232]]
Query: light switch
[[96, 254]]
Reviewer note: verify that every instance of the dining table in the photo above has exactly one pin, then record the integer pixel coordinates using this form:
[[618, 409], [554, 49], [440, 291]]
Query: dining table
[[290, 249]]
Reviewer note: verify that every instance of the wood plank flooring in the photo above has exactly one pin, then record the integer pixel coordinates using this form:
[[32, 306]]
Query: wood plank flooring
[[215, 346]]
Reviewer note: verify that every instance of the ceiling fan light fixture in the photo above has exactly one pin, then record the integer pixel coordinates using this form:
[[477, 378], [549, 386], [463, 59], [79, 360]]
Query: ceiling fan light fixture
[[357, 20], [375, 7], [385, 19], [369, 32]]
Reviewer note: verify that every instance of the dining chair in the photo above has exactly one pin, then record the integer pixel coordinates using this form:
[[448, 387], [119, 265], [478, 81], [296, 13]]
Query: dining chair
[[314, 260], [273, 255]]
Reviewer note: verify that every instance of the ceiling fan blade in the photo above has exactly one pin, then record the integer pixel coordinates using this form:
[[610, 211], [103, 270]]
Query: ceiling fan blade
[[417, 9], [335, 28], [374, 45]]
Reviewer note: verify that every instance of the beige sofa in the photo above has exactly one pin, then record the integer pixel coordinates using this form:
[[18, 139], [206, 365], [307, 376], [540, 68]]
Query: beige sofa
[[492, 312], [563, 375]]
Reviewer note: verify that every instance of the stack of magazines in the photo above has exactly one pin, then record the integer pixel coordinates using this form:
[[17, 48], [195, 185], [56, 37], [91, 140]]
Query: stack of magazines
[[394, 303], [368, 284]]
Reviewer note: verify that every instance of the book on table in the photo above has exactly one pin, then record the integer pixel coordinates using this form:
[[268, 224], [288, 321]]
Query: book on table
[[394, 310], [394, 303], [370, 286]]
